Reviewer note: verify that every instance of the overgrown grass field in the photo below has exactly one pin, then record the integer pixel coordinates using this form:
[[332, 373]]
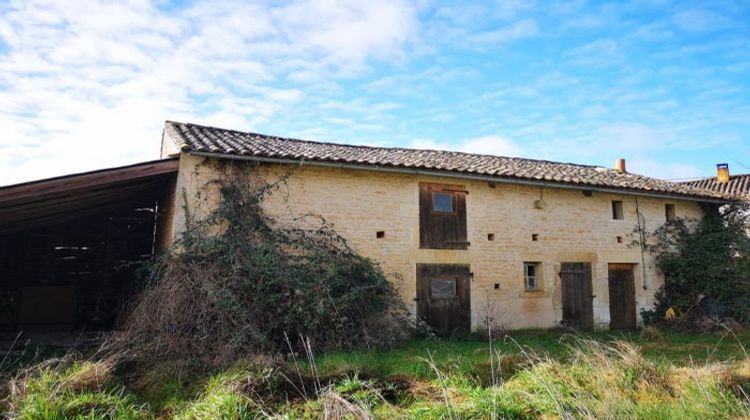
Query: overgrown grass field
[[528, 374]]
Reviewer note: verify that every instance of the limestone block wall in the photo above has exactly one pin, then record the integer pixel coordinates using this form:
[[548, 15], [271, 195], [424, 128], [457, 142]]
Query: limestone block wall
[[572, 227]]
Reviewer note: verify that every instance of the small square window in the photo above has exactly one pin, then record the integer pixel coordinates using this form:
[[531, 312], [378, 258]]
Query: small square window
[[670, 212], [531, 272], [443, 288], [617, 213], [442, 202]]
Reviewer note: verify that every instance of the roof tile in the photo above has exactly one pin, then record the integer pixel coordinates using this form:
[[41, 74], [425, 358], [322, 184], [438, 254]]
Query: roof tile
[[738, 185], [192, 137]]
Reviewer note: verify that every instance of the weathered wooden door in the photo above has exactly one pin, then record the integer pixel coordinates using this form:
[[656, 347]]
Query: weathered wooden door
[[577, 295], [444, 297], [622, 297]]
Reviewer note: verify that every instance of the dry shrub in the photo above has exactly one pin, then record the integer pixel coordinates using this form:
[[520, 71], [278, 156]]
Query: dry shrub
[[240, 283]]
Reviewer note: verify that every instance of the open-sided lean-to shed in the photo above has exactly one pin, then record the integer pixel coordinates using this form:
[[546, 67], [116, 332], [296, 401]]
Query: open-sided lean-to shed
[[69, 246]]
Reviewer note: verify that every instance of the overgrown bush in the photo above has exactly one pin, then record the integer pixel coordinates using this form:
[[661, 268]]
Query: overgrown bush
[[707, 268], [239, 282]]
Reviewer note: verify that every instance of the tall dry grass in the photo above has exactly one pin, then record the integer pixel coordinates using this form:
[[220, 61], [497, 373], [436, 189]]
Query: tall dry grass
[[599, 380], [595, 379]]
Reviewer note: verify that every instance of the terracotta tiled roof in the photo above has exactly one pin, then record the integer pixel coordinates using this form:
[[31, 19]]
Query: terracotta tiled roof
[[197, 138], [738, 185]]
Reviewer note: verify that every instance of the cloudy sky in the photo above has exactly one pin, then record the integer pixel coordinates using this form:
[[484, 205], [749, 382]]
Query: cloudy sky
[[665, 84]]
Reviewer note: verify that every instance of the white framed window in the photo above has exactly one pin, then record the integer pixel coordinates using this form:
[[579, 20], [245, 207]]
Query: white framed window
[[531, 276]]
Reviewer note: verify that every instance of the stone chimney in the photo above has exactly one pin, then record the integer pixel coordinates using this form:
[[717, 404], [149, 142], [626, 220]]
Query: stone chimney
[[722, 173], [620, 166]]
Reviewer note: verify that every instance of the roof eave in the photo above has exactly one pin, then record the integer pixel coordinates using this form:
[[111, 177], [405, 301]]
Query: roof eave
[[462, 175]]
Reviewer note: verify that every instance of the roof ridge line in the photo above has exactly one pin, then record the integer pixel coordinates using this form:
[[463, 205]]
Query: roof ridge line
[[399, 148]]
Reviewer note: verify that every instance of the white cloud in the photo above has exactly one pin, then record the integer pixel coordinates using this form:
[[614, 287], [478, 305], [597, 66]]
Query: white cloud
[[485, 145], [600, 53], [88, 84], [699, 20], [522, 29], [663, 169], [505, 9], [473, 12]]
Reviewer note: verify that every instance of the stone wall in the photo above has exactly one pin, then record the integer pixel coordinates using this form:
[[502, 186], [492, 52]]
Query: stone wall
[[572, 227]]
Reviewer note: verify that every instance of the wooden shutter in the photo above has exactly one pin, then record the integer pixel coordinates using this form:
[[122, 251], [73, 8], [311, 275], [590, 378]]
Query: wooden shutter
[[442, 230]]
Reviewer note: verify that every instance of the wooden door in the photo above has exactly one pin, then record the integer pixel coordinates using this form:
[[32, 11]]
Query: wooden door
[[577, 295], [444, 298], [622, 297]]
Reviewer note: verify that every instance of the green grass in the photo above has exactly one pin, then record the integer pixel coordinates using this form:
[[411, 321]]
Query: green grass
[[536, 373], [408, 359], [80, 390]]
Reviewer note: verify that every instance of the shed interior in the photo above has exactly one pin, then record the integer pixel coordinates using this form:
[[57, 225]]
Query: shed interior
[[71, 247]]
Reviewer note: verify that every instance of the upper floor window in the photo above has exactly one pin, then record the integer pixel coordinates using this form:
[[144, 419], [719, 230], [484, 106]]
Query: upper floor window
[[617, 212], [442, 216], [670, 212]]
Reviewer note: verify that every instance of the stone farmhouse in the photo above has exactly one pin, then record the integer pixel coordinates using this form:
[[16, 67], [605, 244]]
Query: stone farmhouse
[[536, 243], [524, 243]]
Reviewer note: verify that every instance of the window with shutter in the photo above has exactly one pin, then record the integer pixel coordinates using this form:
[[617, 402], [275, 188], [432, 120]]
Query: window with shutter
[[442, 216]]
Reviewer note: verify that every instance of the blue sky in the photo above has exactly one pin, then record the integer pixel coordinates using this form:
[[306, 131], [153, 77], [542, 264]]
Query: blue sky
[[665, 84]]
